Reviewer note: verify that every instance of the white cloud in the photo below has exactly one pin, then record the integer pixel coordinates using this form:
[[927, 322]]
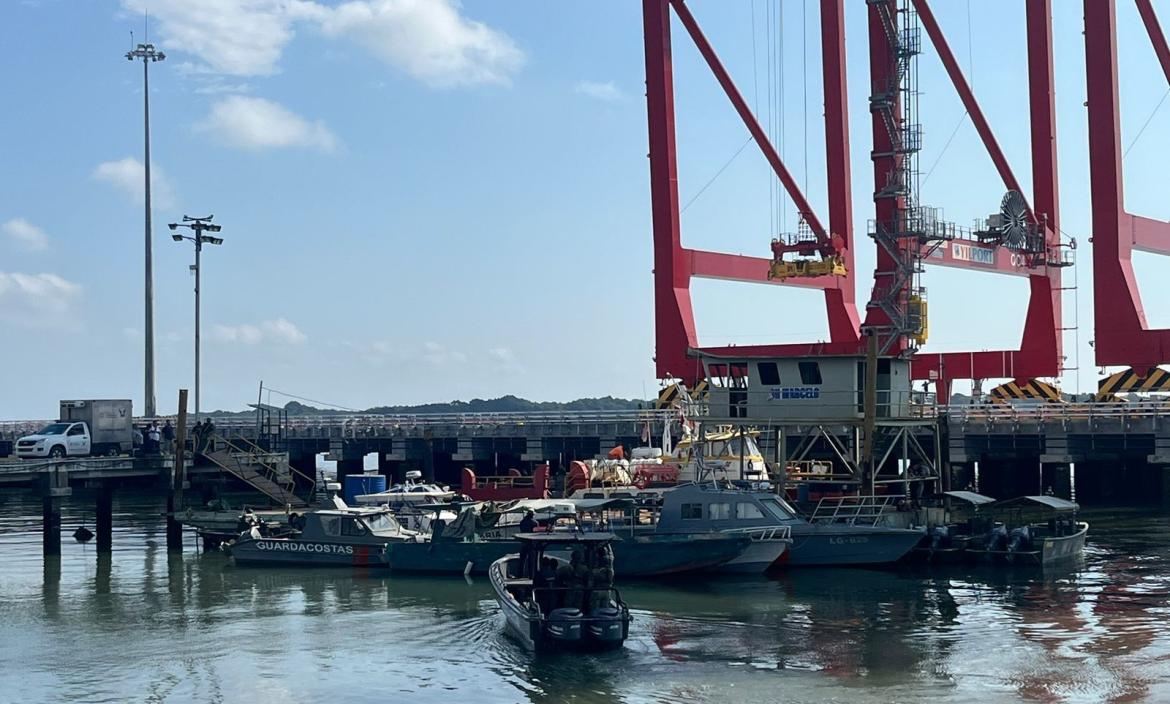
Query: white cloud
[[255, 123], [279, 331], [606, 91], [428, 39], [234, 37], [440, 356], [26, 235], [37, 300], [431, 40], [128, 176]]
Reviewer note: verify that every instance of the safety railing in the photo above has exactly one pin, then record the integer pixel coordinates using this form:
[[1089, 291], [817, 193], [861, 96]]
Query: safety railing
[[853, 510], [764, 533]]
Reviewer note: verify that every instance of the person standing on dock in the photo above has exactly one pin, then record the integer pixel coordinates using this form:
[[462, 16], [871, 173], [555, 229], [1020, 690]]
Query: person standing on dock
[[197, 437], [209, 435], [153, 438], [168, 433]]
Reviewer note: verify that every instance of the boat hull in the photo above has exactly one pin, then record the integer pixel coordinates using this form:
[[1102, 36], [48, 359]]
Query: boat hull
[[1053, 550], [641, 556], [535, 633], [756, 558], [839, 544], [311, 553], [448, 557]]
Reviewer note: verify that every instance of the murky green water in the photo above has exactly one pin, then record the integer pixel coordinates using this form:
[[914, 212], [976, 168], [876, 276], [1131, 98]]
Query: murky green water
[[194, 628]]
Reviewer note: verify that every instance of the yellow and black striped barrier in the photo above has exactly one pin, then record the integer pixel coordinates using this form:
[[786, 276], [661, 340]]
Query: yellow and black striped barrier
[[1032, 390], [1129, 381]]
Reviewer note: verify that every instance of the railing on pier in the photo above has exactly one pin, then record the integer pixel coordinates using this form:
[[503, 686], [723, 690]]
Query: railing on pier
[[357, 424]]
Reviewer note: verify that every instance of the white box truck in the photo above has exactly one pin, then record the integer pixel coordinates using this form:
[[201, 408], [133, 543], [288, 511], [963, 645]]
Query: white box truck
[[83, 428]]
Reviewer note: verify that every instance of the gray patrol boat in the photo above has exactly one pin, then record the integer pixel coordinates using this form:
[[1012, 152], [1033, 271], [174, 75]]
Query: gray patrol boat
[[341, 537], [849, 534]]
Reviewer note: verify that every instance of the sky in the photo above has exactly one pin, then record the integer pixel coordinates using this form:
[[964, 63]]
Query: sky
[[425, 200]]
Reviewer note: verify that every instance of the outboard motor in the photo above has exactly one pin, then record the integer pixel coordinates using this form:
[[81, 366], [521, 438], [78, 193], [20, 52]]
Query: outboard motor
[[1020, 539], [564, 625], [997, 537], [940, 537], [606, 625]]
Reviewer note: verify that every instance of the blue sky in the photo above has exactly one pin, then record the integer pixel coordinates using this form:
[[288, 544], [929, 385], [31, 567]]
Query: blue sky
[[425, 200]]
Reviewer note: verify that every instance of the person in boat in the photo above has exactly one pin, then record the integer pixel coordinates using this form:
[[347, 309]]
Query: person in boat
[[527, 525], [574, 579], [601, 578], [545, 583]]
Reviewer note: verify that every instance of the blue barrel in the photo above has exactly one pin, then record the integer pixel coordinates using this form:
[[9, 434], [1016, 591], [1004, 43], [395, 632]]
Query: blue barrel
[[358, 484]]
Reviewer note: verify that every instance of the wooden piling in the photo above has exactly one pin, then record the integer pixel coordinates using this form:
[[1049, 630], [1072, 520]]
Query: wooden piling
[[178, 478], [105, 519]]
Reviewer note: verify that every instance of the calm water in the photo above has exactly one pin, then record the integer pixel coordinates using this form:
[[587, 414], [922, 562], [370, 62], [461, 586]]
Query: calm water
[[194, 628]]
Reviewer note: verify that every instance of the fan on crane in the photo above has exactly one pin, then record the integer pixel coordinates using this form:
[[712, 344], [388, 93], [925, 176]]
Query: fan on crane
[[1012, 226]]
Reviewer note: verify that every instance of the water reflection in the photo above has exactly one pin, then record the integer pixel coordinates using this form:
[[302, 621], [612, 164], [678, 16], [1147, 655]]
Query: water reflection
[[194, 627]]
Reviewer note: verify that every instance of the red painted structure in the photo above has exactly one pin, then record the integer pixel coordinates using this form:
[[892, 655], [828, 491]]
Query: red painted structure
[[675, 265], [1122, 336], [1040, 350], [509, 487]]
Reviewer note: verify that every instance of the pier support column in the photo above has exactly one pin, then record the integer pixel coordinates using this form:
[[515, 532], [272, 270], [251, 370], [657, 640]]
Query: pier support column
[[105, 519], [56, 488], [178, 480], [428, 469], [346, 467], [51, 525]]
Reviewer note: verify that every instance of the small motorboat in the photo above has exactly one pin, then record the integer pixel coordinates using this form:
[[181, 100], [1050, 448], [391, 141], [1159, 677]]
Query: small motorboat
[[341, 537], [551, 603], [409, 493], [955, 521], [1035, 530]]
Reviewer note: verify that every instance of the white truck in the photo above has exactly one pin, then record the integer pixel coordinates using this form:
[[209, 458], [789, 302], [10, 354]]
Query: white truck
[[89, 427]]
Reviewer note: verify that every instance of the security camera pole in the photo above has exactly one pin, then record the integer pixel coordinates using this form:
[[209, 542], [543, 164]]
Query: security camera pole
[[198, 226], [148, 54]]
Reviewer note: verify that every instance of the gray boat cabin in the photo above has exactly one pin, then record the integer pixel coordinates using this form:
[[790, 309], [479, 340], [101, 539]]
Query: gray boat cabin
[[758, 389]]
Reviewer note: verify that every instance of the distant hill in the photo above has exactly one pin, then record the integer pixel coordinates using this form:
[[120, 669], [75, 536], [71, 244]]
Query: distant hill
[[503, 404]]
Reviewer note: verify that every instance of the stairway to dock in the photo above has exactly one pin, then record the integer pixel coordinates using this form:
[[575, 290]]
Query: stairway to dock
[[268, 472]]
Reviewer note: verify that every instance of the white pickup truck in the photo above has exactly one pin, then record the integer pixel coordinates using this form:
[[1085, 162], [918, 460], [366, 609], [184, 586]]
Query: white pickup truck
[[97, 427]]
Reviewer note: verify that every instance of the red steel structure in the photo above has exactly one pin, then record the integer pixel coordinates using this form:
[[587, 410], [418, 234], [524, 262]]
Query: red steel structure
[[1121, 335], [1040, 349], [675, 265]]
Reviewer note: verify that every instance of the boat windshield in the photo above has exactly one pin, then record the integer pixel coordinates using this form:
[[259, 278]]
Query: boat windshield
[[777, 508], [382, 524]]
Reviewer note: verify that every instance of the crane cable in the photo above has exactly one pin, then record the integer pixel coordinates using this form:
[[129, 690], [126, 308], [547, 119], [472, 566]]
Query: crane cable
[[963, 117]]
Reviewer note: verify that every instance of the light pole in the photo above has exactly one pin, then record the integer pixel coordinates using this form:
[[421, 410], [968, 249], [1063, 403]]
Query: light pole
[[198, 226], [148, 54]]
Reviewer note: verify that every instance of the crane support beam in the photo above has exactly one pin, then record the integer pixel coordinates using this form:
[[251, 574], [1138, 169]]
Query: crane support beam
[[1121, 335], [973, 255], [753, 125], [737, 267], [675, 265], [1157, 37], [930, 24], [1149, 235], [1041, 345]]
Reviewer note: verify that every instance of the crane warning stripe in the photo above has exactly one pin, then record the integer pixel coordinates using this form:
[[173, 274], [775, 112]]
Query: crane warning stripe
[[1128, 381], [1030, 391]]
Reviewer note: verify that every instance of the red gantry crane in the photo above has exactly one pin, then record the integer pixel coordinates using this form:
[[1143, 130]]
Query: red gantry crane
[[675, 265]]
